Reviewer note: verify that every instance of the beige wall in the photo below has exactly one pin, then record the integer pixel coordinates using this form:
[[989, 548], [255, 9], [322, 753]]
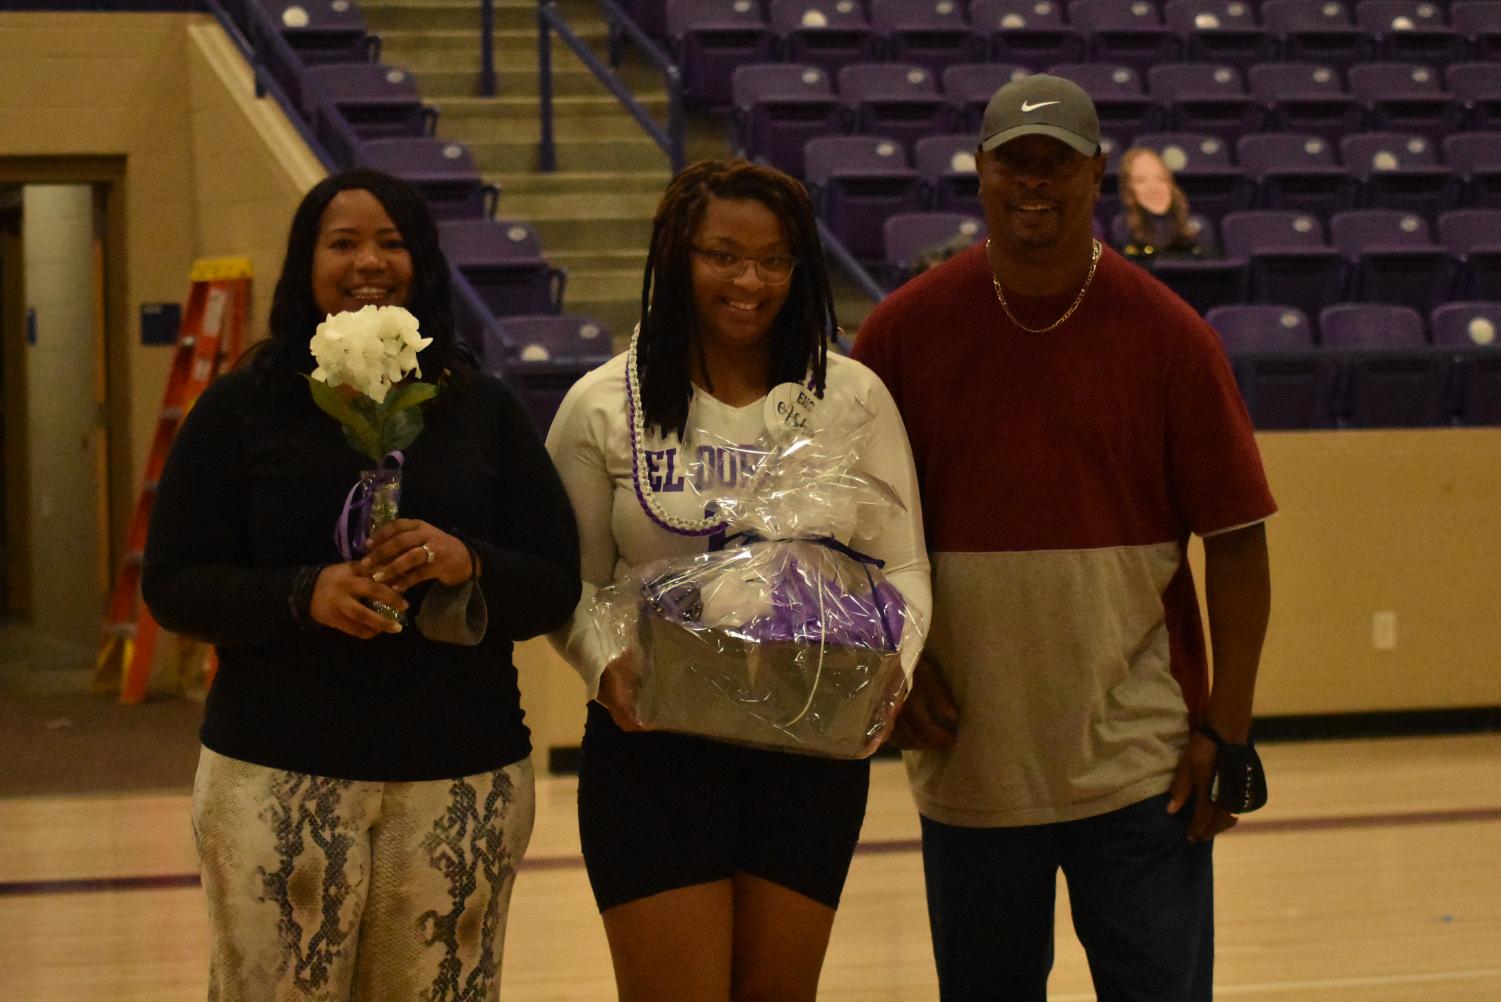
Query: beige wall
[[1400, 522], [161, 108]]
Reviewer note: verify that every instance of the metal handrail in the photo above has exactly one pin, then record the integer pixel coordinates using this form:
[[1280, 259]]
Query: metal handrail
[[549, 20], [487, 48], [852, 267], [266, 84]]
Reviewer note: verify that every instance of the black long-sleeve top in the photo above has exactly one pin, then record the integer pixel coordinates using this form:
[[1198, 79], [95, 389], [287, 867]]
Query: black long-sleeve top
[[249, 496]]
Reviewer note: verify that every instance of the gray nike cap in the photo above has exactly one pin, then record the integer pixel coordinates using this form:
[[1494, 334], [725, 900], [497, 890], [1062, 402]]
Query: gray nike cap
[[1041, 105]]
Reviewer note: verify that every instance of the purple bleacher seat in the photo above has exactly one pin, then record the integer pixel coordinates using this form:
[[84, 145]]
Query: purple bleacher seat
[[1477, 87], [320, 31], [1394, 258], [1261, 327], [377, 101], [931, 33], [1410, 31], [650, 16], [1289, 262], [541, 357], [443, 170], [826, 33], [1124, 34], [1404, 97], [1203, 168], [1469, 331], [1479, 23], [1371, 325], [709, 38], [970, 86], [1392, 377], [1202, 228], [1316, 31], [1476, 158], [858, 181], [553, 337], [779, 107], [1109, 202], [1401, 171], [1123, 107], [351, 102], [946, 165], [896, 100], [1466, 324], [1199, 97], [1304, 97], [1030, 33], [1286, 382], [1202, 283], [289, 37], [1473, 238], [915, 241], [1297, 171], [503, 260], [1223, 32]]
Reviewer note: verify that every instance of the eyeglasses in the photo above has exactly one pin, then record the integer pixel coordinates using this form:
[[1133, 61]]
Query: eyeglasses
[[774, 269]]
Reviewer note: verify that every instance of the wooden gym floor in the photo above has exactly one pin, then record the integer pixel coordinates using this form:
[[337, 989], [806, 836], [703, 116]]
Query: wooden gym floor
[[1374, 874]]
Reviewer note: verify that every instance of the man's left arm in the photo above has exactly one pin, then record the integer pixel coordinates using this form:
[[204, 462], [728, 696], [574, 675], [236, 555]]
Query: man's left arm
[[1237, 585]]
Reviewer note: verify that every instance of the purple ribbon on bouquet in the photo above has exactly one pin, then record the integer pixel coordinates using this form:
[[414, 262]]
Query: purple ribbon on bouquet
[[351, 542]]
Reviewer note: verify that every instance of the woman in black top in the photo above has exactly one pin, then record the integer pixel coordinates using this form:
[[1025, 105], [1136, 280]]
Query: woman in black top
[[365, 791]]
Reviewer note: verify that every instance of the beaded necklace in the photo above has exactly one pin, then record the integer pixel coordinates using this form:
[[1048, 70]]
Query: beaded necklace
[[644, 493]]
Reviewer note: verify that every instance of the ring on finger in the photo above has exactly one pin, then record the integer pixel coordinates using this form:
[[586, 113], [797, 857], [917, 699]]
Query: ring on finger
[[428, 550]]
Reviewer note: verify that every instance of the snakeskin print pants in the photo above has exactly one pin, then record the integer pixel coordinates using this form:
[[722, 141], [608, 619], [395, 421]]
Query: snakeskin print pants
[[332, 890]]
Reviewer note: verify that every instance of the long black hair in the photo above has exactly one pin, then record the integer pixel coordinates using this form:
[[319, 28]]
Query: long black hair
[[802, 330], [294, 313]]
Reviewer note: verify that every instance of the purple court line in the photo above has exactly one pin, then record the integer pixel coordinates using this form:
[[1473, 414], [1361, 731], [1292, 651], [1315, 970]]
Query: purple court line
[[92, 885]]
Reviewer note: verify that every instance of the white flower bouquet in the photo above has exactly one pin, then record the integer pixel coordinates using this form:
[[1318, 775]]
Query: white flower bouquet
[[369, 380], [372, 352]]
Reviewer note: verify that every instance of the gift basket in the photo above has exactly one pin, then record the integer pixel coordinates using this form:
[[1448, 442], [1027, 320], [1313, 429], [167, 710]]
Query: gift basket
[[785, 637]]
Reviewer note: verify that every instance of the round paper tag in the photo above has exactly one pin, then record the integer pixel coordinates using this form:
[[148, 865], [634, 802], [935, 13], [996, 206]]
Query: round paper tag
[[789, 408]]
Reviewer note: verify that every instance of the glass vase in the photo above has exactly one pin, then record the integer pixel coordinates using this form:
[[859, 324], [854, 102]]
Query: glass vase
[[382, 489]]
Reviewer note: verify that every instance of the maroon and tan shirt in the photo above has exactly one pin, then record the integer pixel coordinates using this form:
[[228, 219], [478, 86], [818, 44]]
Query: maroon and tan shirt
[[1061, 475]]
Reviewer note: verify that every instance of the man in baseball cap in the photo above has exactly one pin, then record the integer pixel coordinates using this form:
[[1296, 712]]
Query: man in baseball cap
[[1073, 423], [1041, 105]]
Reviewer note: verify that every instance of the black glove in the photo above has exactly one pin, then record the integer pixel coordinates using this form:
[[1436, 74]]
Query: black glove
[[1239, 784]]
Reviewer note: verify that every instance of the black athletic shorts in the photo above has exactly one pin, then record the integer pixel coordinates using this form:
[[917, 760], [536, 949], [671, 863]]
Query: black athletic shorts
[[660, 811]]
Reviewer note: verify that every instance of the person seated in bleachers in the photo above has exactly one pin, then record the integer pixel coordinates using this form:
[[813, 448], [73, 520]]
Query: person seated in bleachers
[[1155, 221]]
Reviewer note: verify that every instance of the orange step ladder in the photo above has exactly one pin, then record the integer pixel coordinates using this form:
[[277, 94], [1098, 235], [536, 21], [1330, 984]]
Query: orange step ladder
[[210, 339]]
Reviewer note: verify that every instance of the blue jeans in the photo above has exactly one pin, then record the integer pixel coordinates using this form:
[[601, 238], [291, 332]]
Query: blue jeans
[[1142, 898]]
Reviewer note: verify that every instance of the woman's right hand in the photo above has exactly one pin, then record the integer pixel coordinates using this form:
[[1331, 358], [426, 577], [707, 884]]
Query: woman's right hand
[[339, 601], [618, 688]]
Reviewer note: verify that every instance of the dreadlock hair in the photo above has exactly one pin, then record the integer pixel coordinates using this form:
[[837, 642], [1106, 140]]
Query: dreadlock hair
[[802, 330], [294, 314], [1136, 214]]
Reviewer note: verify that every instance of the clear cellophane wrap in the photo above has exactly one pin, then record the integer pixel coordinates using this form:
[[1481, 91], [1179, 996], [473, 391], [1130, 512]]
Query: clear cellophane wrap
[[785, 638]]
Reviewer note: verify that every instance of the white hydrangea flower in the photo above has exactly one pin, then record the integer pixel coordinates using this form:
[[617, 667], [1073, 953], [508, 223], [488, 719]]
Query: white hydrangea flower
[[370, 349]]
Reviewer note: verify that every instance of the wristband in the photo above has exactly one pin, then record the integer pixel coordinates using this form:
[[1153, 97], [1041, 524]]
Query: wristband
[[1239, 784], [300, 601]]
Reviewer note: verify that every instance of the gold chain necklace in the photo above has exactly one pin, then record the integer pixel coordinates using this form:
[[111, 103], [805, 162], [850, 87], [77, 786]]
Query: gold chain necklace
[[1094, 260]]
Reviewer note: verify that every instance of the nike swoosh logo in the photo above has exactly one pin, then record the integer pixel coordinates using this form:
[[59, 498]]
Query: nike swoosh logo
[[1028, 106]]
